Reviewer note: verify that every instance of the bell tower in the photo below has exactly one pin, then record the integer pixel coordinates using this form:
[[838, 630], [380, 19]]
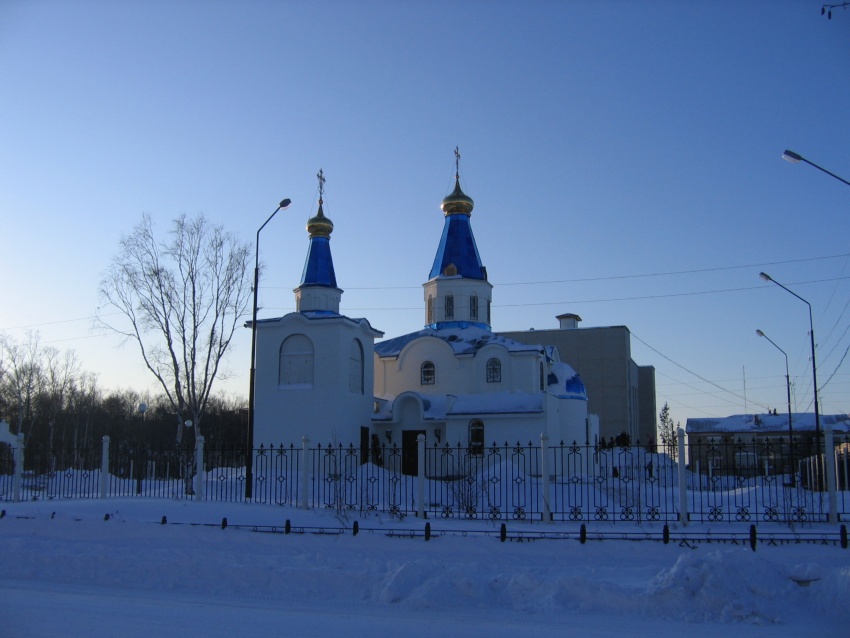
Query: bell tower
[[457, 293]]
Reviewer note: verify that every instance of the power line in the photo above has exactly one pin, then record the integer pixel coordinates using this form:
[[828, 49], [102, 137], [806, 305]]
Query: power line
[[58, 321], [701, 378], [589, 301], [615, 277]]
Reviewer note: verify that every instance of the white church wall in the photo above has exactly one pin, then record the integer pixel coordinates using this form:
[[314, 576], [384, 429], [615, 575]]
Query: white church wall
[[326, 409], [461, 291]]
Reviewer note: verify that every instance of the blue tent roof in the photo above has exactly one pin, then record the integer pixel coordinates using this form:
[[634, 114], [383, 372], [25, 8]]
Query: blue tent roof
[[457, 246], [319, 267]]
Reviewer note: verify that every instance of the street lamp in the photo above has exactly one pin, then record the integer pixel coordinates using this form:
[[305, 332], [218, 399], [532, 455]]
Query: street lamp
[[249, 462], [796, 158], [767, 277], [143, 408], [788, 387]]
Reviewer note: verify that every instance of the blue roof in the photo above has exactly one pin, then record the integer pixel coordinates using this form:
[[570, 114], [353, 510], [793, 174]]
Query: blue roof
[[457, 246], [574, 387], [319, 267]]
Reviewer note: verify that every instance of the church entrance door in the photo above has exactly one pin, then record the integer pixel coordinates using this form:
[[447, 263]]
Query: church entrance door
[[410, 452]]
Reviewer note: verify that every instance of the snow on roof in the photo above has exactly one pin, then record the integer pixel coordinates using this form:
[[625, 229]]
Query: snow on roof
[[314, 315], [467, 340], [767, 423], [566, 383], [440, 406]]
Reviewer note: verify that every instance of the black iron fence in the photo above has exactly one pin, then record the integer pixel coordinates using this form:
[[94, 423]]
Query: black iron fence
[[733, 481]]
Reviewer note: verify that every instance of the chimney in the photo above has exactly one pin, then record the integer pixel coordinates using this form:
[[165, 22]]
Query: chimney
[[568, 321]]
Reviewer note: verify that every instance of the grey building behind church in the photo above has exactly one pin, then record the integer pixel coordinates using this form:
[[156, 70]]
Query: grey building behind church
[[620, 391]]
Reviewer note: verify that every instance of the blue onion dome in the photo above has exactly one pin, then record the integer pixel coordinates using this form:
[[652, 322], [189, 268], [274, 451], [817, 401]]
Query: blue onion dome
[[457, 201]]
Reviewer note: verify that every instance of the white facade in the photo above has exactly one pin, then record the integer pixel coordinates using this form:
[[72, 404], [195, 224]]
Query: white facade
[[464, 384], [455, 381], [314, 379]]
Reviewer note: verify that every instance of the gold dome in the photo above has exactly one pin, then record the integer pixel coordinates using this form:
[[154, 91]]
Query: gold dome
[[457, 201], [320, 226]]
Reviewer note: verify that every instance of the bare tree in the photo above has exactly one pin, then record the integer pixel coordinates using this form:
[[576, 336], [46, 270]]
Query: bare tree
[[180, 300], [61, 370], [83, 398], [23, 372], [667, 432]]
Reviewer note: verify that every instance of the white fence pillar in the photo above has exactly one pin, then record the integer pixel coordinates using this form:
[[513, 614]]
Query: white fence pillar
[[17, 479], [200, 474], [546, 514], [420, 482], [683, 478], [829, 461], [104, 468], [305, 472], [16, 442]]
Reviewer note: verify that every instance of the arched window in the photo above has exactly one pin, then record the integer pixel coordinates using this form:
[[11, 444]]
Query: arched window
[[450, 306], [355, 367], [430, 310], [428, 374], [473, 306], [494, 371], [488, 311], [476, 437], [296, 362]]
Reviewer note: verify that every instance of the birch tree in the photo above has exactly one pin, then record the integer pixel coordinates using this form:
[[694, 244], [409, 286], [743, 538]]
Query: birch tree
[[180, 301]]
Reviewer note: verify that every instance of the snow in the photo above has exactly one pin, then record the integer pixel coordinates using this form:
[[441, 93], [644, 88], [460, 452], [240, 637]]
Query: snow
[[111, 567], [767, 423], [467, 340]]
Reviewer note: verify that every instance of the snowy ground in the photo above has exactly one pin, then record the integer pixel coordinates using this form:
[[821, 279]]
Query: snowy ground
[[65, 569]]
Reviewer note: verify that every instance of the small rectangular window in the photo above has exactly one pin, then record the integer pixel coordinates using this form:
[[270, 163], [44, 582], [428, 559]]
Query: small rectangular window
[[450, 307]]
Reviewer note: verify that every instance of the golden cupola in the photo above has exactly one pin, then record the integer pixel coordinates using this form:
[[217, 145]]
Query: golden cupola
[[320, 226], [457, 201]]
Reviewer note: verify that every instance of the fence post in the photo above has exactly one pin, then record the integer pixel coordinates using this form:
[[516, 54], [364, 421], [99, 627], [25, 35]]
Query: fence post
[[17, 479], [420, 479], [104, 467], [200, 474], [829, 461], [544, 471], [305, 471], [683, 478]]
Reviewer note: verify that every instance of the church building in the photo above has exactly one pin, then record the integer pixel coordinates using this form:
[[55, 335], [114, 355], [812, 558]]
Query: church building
[[320, 374]]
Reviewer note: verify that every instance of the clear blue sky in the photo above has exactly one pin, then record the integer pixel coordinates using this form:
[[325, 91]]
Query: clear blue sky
[[624, 159]]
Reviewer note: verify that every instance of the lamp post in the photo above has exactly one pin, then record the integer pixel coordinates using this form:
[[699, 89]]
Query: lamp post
[[249, 461], [767, 277], [788, 388], [796, 158], [143, 408]]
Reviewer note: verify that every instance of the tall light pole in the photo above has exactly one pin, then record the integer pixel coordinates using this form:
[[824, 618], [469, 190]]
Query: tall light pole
[[249, 461], [767, 277], [796, 158], [788, 388]]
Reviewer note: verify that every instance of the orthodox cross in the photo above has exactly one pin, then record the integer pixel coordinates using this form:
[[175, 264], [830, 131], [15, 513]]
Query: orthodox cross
[[321, 176], [457, 162]]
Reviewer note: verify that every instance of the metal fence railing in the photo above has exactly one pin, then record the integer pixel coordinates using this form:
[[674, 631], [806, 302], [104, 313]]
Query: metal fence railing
[[732, 481]]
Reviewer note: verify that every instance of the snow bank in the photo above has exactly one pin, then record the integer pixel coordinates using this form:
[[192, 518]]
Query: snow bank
[[606, 587]]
